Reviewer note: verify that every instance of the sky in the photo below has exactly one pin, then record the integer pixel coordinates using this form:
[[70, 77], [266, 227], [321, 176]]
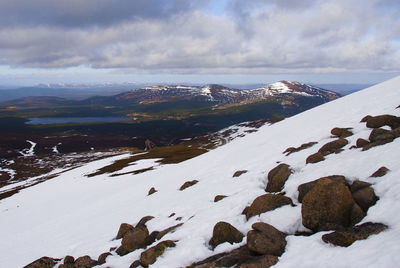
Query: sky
[[198, 41]]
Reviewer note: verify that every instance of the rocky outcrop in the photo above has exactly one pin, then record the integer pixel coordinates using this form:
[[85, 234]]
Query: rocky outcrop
[[349, 236], [266, 203], [341, 132], [238, 173], [266, 240], [150, 255], [188, 184], [380, 172], [225, 232], [315, 158], [277, 178], [219, 197], [304, 146]]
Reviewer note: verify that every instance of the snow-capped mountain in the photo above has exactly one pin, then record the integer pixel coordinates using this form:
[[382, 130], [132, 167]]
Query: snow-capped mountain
[[73, 214]]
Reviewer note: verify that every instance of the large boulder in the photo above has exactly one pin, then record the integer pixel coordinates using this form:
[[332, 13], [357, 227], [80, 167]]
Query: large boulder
[[266, 239], [277, 178], [333, 146], [133, 240], [225, 232], [150, 255], [383, 120], [306, 187], [44, 262], [342, 132], [349, 236], [266, 203], [328, 205]]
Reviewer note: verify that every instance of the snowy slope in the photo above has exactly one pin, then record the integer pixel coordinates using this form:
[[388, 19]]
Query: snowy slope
[[76, 215]]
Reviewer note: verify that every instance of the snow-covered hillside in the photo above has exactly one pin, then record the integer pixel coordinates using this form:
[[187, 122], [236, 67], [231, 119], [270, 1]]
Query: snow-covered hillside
[[77, 215]]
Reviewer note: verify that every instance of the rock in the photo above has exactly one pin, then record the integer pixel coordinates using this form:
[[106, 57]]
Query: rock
[[123, 229], [171, 215], [43, 262], [143, 221], [365, 119], [277, 178], [378, 134], [188, 184], [135, 264], [152, 191], [328, 205], [361, 143], [84, 262], [304, 146], [69, 260], [306, 187], [342, 132], [266, 203], [245, 210], [261, 262], [358, 185], [266, 239], [365, 198], [150, 255], [376, 143], [380, 172], [219, 197], [133, 240], [333, 146], [152, 237], [383, 120], [315, 158], [349, 236], [168, 230], [356, 215], [225, 232], [238, 173], [102, 258]]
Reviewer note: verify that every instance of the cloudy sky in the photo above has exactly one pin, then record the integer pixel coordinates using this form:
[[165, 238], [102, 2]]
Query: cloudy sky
[[200, 41]]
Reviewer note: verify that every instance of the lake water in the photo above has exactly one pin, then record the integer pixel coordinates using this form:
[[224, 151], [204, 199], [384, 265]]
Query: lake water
[[65, 120]]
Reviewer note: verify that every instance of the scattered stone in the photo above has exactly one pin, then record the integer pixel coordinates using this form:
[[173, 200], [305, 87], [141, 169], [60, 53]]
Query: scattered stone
[[380, 172], [188, 184], [102, 258], [266, 203], [350, 235], [342, 132], [304, 146], [333, 146], [260, 262], [238, 173], [361, 143], [365, 198], [178, 219], [358, 185], [43, 262], [152, 191], [315, 158], [123, 229], [245, 210], [171, 215], [168, 230], [306, 187], [225, 232], [328, 205], [150, 255], [84, 262], [383, 120], [143, 221], [69, 260], [277, 178], [219, 197], [266, 239], [133, 240], [365, 119]]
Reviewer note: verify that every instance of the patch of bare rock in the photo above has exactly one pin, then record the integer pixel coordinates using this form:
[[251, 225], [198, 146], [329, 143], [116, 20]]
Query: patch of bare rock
[[219, 197], [239, 173], [380, 172]]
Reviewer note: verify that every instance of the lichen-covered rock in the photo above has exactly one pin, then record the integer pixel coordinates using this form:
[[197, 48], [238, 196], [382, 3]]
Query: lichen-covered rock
[[328, 205], [43, 262], [150, 255], [188, 184], [266, 239], [152, 191], [266, 203], [133, 240], [333, 146], [123, 229], [277, 178], [238, 173], [380, 172], [350, 235], [219, 197], [383, 120], [225, 232], [365, 198], [342, 132], [306, 187], [84, 262], [315, 158]]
